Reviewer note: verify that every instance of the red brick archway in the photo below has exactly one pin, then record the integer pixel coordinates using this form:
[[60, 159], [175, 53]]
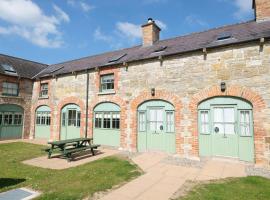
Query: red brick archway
[[159, 95], [234, 91], [61, 104], [123, 116], [33, 116]]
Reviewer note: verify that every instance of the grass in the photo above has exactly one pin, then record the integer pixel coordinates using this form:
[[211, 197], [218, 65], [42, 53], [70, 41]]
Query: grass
[[251, 188], [73, 183]]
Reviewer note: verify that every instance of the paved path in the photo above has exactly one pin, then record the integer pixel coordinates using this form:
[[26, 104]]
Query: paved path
[[162, 180]]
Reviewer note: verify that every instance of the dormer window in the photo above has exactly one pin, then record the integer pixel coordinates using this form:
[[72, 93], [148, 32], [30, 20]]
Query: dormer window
[[107, 83], [44, 90]]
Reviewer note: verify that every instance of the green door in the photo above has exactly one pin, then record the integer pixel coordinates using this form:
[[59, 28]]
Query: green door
[[70, 122], [224, 136], [156, 127], [226, 128], [11, 121], [43, 121], [106, 129]]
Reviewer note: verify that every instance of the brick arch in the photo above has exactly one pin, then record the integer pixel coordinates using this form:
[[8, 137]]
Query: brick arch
[[247, 94], [33, 116], [159, 95], [61, 104], [123, 115]]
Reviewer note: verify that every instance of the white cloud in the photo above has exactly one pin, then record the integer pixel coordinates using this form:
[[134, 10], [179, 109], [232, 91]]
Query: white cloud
[[161, 24], [244, 8], [27, 20], [129, 30], [195, 20], [81, 4], [61, 14], [98, 35]]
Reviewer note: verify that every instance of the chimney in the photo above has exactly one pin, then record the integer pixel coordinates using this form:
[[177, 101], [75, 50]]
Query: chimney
[[150, 32], [261, 9]]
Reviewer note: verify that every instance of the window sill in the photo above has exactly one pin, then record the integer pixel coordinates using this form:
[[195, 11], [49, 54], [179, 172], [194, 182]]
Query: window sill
[[107, 92], [10, 96], [43, 98]]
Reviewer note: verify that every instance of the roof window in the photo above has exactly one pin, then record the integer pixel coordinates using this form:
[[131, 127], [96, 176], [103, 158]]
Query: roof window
[[224, 36], [117, 58]]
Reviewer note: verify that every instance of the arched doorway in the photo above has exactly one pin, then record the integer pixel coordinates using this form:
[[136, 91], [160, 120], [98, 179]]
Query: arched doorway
[[226, 128], [43, 122], [106, 129], [70, 122], [11, 121], [156, 126]]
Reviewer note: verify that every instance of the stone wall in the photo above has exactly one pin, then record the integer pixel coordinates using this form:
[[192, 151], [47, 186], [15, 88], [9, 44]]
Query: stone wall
[[23, 100], [179, 79]]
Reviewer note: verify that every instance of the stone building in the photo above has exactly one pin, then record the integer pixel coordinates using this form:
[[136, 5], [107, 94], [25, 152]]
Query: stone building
[[203, 94]]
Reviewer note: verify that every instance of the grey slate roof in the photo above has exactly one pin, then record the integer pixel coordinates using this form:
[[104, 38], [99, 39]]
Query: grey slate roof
[[241, 32], [24, 68]]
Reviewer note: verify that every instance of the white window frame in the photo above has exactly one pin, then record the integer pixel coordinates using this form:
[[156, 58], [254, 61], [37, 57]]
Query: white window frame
[[105, 80], [142, 123], [204, 123], [170, 123]]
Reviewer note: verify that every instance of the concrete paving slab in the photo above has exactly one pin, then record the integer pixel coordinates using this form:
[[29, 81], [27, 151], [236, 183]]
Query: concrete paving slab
[[61, 163]]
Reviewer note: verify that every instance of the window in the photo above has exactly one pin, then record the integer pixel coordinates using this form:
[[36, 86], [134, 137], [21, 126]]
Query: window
[[106, 82], [170, 121], [8, 119], [63, 119], [72, 118], [78, 119], [17, 119], [107, 120], [224, 120], [142, 122], [43, 90], [98, 120], [1, 118], [10, 89], [245, 123], [43, 118], [204, 117], [115, 120]]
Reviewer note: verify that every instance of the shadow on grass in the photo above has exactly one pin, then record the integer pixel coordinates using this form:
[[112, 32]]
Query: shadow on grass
[[6, 182]]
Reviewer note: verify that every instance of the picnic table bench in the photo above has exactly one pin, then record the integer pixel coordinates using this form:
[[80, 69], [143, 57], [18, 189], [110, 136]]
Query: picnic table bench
[[71, 146]]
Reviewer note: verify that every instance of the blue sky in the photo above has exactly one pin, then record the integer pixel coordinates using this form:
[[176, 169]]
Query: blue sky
[[52, 31]]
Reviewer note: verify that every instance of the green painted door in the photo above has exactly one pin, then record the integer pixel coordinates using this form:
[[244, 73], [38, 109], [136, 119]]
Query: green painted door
[[224, 136], [106, 130], [70, 122], [43, 122], [11, 121], [156, 127], [226, 128]]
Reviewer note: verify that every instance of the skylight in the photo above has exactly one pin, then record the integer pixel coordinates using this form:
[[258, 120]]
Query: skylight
[[116, 58], [159, 49], [56, 69], [8, 68], [224, 36]]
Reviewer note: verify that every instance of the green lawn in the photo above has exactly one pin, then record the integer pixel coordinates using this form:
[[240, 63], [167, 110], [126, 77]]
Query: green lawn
[[72, 183], [248, 188]]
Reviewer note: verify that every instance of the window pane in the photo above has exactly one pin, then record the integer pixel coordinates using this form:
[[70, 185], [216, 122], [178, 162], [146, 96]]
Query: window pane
[[107, 82], [221, 128], [63, 119], [115, 120], [98, 120], [1, 118], [229, 129], [78, 119], [218, 114], [10, 88], [229, 115], [142, 122], [170, 121], [107, 120]]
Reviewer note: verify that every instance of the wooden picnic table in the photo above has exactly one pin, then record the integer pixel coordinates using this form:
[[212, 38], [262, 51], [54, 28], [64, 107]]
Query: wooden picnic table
[[70, 146]]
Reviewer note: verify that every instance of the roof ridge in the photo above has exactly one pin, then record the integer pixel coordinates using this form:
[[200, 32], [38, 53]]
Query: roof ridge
[[207, 30], [1, 54]]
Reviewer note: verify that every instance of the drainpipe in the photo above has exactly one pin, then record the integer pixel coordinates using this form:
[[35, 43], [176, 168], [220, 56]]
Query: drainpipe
[[87, 96]]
